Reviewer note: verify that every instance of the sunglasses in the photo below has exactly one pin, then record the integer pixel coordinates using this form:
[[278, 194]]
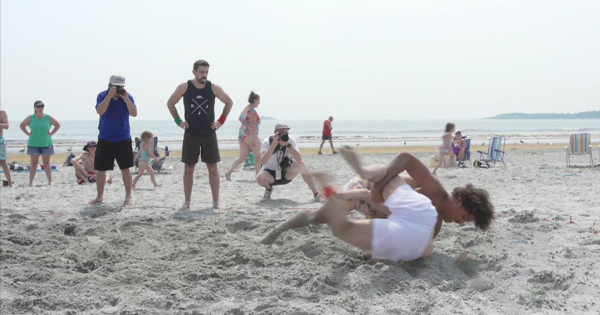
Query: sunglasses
[[40, 106], [92, 146]]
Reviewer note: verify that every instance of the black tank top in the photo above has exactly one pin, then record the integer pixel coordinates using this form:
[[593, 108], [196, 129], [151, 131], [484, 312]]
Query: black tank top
[[199, 107]]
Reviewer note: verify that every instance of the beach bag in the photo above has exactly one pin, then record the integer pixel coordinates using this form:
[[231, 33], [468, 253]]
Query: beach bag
[[68, 160]]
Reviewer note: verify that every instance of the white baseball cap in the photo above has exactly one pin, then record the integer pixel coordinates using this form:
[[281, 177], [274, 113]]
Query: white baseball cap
[[117, 80], [281, 125]]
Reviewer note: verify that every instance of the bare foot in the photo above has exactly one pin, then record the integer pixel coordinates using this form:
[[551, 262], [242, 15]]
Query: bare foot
[[128, 202], [109, 180], [352, 158], [228, 174], [216, 204], [157, 185], [95, 201], [186, 206]]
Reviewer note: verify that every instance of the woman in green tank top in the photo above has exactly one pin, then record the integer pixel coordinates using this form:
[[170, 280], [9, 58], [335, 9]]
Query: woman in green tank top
[[40, 139]]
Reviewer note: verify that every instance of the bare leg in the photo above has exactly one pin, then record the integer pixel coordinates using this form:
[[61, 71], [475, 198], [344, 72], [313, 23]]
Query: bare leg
[[438, 164], [109, 178], [100, 182], [257, 157], [331, 143], [215, 181], [321, 147], [47, 168], [373, 173], [126, 174], [6, 170], [188, 183], [244, 151], [152, 175], [79, 174], [33, 168], [300, 168], [302, 219], [141, 170]]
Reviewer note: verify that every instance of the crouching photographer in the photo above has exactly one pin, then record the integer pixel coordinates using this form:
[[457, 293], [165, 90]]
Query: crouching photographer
[[282, 162]]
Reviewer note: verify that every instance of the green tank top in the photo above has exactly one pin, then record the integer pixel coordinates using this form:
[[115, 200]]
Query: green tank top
[[39, 132]]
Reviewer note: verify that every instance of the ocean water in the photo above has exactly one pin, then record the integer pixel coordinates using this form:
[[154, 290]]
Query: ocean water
[[363, 132]]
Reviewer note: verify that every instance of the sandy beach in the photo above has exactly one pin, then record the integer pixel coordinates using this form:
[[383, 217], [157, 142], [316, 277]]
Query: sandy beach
[[61, 256]]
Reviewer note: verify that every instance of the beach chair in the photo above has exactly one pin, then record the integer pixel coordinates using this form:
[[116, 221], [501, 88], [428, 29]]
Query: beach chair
[[468, 149], [579, 144], [495, 151], [250, 162], [68, 160], [156, 165]]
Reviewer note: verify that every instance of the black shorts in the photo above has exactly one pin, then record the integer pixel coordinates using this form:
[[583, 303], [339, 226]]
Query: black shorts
[[326, 137], [205, 147], [281, 181], [107, 152]]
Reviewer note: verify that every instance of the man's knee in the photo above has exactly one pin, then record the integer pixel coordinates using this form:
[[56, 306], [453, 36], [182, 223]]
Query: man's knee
[[212, 168], [189, 169]]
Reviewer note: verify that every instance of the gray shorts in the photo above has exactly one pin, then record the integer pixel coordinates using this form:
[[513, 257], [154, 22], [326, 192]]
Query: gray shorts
[[40, 151]]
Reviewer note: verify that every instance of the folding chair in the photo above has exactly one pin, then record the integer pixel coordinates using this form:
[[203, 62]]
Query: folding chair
[[579, 144], [468, 149], [495, 151]]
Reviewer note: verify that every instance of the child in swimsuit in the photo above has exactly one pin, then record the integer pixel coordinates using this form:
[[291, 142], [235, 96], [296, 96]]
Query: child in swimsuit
[[144, 157], [446, 147]]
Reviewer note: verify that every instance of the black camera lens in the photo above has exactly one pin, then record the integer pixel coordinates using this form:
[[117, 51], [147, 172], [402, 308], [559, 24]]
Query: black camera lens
[[284, 137], [120, 89]]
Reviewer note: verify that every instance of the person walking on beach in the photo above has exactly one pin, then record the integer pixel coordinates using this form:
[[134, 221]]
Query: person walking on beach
[[411, 218], [3, 152], [327, 128], [114, 106], [446, 147], [248, 135], [84, 165], [200, 137], [144, 157], [40, 140], [282, 162]]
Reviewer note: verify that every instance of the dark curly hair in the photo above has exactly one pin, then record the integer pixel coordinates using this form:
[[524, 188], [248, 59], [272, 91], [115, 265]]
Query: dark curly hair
[[477, 203]]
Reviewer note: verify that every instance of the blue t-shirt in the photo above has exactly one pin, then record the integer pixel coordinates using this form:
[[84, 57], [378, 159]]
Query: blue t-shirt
[[114, 124]]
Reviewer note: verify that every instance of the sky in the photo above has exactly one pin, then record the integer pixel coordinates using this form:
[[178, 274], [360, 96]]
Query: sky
[[306, 59]]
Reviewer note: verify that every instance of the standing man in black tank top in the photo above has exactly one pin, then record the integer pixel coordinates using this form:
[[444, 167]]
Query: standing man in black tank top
[[200, 137]]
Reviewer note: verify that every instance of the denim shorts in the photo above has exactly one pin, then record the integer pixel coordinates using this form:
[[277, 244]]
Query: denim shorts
[[40, 151]]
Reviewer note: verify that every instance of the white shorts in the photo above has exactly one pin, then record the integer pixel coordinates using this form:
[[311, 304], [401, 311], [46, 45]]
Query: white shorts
[[405, 234]]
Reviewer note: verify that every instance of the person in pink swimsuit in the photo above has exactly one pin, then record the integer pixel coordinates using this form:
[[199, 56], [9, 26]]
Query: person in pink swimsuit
[[248, 135]]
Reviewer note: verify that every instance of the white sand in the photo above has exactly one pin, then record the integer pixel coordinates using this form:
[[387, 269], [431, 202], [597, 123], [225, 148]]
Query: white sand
[[59, 256]]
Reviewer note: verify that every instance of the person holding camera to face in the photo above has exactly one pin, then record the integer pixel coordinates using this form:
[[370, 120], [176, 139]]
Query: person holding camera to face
[[282, 162], [114, 106]]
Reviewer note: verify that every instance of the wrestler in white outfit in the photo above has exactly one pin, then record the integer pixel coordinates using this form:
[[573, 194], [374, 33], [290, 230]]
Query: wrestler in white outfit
[[407, 232]]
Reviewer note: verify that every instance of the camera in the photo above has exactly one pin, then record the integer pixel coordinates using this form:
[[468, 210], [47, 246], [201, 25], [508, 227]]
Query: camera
[[284, 136], [120, 89]]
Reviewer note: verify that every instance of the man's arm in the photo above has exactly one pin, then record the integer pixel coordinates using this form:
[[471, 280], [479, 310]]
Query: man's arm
[[3, 120], [75, 163], [418, 171], [175, 98], [102, 103], [295, 153], [130, 104], [223, 97], [267, 151]]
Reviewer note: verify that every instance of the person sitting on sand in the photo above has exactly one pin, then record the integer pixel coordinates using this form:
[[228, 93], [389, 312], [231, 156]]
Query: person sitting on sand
[[282, 162], [413, 218], [459, 147], [85, 171]]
